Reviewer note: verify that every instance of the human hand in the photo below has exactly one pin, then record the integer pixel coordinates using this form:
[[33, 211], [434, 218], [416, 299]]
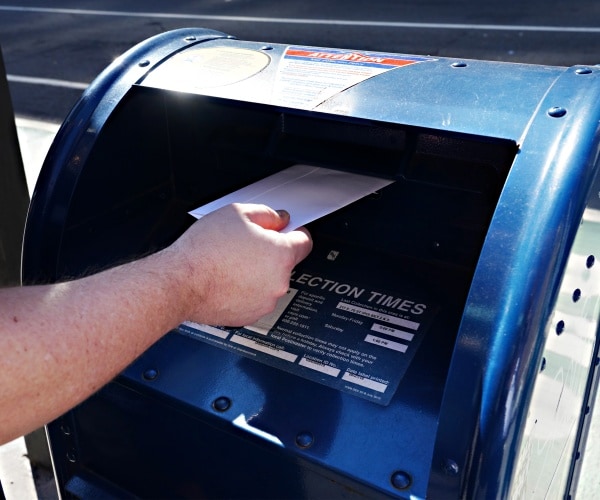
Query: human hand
[[235, 264]]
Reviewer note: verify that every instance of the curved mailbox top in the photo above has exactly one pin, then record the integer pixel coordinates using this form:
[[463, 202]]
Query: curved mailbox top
[[439, 93]]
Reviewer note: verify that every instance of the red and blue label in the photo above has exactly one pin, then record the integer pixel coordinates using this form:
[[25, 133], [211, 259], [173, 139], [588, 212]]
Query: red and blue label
[[351, 57]]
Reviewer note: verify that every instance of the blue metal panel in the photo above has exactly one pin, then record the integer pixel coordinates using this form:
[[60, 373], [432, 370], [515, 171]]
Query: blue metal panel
[[499, 347], [475, 97]]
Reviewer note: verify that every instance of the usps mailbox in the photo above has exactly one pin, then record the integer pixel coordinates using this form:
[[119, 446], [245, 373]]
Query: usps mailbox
[[440, 340]]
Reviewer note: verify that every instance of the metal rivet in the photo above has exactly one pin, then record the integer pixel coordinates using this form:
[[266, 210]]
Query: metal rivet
[[150, 374], [222, 404], [65, 429], [144, 63], [583, 71], [266, 47], [190, 38], [590, 261], [459, 65], [71, 457], [401, 480], [450, 467], [557, 112], [304, 439], [560, 327], [576, 294]]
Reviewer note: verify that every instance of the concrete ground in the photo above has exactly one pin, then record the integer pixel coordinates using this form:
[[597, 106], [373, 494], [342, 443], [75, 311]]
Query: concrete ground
[[21, 481]]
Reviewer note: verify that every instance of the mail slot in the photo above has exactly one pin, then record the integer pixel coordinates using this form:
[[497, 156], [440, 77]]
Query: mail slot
[[439, 341]]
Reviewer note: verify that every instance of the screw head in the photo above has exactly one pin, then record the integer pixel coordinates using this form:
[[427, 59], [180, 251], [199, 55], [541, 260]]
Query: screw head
[[459, 64], [150, 374], [304, 439], [557, 112], [450, 467], [401, 480], [583, 71], [222, 404]]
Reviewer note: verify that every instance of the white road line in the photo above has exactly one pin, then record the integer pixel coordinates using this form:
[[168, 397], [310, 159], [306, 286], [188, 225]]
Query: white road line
[[47, 81], [329, 22]]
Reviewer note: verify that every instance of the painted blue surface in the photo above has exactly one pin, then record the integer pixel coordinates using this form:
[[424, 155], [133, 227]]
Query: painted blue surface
[[514, 289]]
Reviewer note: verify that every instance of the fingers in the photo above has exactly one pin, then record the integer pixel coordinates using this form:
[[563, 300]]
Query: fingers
[[237, 263], [298, 240], [301, 243]]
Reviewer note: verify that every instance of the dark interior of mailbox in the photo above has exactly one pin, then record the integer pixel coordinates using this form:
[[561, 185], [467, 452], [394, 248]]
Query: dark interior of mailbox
[[161, 154]]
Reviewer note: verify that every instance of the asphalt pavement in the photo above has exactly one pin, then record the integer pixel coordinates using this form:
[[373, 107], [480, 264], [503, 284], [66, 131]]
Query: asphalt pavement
[[53, 49]]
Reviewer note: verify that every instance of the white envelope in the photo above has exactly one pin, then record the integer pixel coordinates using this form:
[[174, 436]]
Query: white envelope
[[305, 191]]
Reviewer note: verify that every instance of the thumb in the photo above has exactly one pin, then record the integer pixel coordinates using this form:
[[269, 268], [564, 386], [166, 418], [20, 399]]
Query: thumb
[[301, 243], [266, 217]]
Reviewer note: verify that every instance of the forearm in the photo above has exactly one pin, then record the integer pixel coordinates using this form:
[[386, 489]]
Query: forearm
[[60, 343]]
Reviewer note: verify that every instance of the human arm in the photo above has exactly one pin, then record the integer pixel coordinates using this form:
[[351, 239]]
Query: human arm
[[60, 343]]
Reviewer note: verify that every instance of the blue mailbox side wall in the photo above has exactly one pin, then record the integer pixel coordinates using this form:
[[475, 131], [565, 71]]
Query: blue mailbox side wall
[[507, 319]]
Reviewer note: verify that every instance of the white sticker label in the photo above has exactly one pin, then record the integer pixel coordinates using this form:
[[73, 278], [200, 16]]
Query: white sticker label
[[196, 69], [364, 382], [319, 367], [262, 347], [308, 76]]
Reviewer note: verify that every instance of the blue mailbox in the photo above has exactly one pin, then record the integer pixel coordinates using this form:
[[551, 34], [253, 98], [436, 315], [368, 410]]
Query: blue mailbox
[[440, 340]]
